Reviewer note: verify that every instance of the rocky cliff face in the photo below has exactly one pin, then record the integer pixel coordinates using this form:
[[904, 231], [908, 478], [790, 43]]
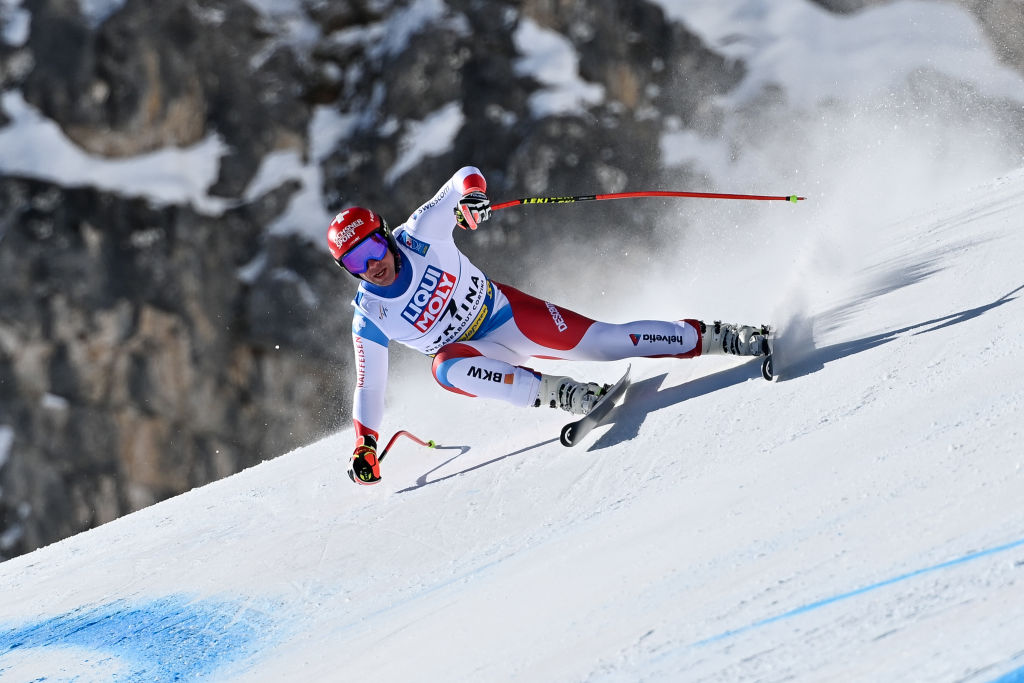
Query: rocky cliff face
[[147, 347], [153, 75], [137, 363]]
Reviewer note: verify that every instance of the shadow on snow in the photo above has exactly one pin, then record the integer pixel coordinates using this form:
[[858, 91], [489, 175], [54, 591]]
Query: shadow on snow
[[796, 357]]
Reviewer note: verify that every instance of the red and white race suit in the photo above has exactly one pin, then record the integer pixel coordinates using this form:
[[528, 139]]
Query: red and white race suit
[[479, 331]]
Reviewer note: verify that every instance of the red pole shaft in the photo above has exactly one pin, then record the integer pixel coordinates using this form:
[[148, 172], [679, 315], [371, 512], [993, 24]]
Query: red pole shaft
[[647, 193], [408, 435]]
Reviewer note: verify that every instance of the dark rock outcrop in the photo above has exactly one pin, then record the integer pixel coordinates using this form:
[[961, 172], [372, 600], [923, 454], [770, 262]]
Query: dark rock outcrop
[[138, 363]]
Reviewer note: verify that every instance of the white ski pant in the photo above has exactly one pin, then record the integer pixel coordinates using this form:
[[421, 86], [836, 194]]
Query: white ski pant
[[521, 327]]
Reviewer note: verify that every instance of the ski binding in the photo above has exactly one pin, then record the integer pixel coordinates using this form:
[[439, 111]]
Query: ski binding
[[574, 432]]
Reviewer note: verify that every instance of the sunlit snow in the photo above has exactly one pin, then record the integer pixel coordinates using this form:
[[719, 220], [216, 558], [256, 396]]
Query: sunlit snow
[[858, 520]]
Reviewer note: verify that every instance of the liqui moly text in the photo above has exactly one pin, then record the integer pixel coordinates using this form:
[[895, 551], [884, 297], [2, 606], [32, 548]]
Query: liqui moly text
[[430, 299]]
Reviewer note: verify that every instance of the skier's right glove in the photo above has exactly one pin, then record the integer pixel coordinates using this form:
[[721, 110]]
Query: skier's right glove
[[364, 467], [474, 208]]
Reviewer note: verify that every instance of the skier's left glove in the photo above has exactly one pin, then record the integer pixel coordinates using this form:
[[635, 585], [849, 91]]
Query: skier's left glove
[[474, 208], [364, 467]]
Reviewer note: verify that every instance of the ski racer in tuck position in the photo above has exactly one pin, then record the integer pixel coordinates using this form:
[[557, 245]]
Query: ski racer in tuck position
[[418, 289]]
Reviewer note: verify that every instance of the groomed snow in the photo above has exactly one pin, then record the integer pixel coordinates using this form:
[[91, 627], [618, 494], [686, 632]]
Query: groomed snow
[[859, 520]]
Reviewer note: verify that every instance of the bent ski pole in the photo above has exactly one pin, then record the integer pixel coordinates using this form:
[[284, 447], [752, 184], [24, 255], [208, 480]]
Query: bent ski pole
[[408, 435], [394, 438], [650, 193]]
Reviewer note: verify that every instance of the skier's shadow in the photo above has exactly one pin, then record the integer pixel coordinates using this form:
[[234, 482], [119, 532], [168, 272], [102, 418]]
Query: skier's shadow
[[797, 357], [645, 397], [806, 359]]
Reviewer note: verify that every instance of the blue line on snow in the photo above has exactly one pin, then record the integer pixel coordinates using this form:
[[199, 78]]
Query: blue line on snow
[[860, 591], [1011, 677], [169, 638]]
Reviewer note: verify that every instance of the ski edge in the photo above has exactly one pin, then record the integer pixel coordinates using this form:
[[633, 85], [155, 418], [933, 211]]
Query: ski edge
[[573, 432]]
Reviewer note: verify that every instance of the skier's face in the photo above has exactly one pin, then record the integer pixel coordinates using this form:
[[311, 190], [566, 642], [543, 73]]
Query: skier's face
[[382, 272]]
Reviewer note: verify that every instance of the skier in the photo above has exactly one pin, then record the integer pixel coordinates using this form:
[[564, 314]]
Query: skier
[[418, 289]]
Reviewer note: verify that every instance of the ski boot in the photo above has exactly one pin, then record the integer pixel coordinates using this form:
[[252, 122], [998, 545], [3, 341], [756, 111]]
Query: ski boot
[[735, 340], [575, 397]]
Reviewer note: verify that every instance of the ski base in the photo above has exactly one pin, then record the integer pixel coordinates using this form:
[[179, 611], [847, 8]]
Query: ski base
[[574, 432]]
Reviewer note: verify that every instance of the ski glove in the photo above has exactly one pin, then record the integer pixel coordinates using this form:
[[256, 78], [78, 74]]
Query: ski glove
[[364, 467], [474, 208]]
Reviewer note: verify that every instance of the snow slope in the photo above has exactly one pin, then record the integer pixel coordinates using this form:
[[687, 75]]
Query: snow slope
[[859, 520]]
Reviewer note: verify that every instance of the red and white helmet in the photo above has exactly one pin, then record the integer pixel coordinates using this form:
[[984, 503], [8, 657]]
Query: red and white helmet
[[349, 228], [358, 235]]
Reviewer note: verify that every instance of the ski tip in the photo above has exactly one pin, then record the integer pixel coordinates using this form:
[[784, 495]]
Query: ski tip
[[566, 437]]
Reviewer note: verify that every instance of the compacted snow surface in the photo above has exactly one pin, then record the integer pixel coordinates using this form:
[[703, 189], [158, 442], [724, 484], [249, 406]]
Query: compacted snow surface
[[859, 519]]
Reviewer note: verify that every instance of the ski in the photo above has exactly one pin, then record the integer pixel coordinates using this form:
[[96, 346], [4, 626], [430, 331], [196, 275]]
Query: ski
[[573, 432], [768, 364]]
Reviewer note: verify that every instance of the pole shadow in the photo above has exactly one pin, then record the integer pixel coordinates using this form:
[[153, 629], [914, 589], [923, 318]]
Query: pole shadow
[[422, 480], [797, 357]]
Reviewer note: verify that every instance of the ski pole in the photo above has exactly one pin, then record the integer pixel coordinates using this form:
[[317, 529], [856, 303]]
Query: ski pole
[[394, 438], [408, 435], [628, 195]]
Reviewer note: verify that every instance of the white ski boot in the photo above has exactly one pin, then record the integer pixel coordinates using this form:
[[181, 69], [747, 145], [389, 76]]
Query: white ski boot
[[566, 393], [736, 340]]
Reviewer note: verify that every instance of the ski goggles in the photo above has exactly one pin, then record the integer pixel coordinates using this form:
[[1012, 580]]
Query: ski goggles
[[357, 259]]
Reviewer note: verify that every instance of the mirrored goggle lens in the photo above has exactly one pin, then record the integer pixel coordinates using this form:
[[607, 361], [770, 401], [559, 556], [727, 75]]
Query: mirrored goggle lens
[[357, 259]]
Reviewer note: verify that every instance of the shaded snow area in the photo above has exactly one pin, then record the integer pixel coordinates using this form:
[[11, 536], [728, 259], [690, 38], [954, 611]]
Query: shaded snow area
[[860, 519]]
